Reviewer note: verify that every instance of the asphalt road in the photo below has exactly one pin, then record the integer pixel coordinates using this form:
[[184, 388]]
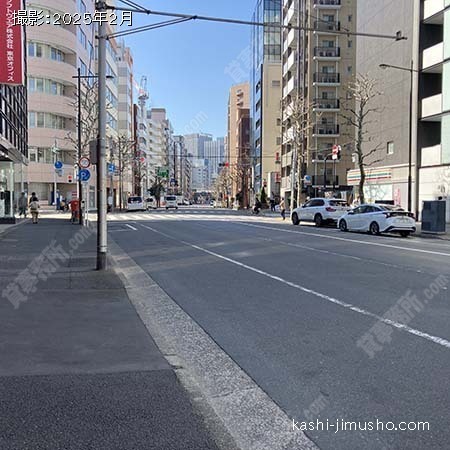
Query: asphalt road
[[296, 306]]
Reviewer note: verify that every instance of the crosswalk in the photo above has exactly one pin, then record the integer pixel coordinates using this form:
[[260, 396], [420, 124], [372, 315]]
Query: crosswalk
[[181, 216]]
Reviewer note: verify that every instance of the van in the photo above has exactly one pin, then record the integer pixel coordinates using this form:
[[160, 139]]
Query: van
[[135, 203], [170, 201]]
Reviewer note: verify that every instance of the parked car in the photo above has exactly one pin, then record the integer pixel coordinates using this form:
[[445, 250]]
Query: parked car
[[135, 203], [151, 203], [377, 219], [321, 211], [170, 202]]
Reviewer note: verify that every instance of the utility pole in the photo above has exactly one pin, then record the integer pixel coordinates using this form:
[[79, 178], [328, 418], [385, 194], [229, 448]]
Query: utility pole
[[79, 185], [101, 163]]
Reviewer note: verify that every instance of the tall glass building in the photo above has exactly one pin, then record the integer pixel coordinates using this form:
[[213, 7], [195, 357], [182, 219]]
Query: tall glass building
[[265, 96]]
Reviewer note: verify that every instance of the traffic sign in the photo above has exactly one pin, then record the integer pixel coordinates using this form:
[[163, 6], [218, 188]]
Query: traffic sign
[[163, 172], [111, 168], [84, 162], [59, 172], [58, 164], [307, 180], [84, 175]]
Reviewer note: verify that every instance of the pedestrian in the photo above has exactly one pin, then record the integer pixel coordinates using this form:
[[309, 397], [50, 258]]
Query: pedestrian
[[272, 203], [23, 205], [283, 209], [34, 207], [110, 203]]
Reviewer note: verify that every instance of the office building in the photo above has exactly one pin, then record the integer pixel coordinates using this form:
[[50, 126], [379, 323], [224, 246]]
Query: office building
[[238, 106], [265, 97], [423, 152]]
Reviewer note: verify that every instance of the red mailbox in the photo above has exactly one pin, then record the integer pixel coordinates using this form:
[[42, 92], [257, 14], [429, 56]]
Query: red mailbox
[[75, 208]]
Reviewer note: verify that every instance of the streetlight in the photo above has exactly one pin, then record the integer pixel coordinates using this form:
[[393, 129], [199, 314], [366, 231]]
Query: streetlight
[[79, 77], [411, 70]]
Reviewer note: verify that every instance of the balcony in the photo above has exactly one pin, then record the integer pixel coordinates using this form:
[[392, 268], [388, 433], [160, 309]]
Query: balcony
[[289, 63], [291, 37], [329, 4], [433, 58], [327, 53], [326, 104], [290, 86], [431, 156], [325, 27], [289, 16], [326, 130], [432, 108], [326, 79], [433, 11]]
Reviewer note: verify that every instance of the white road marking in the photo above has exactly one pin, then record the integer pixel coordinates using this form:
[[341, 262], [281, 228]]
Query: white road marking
[[131, 227], [435, 339], [378, 244]]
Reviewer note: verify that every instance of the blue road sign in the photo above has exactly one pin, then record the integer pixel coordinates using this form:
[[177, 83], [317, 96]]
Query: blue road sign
[[84, 175], [111, 168], [58, 165]]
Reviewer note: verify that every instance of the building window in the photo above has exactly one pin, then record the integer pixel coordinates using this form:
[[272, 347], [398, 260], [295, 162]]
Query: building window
[[82, 37], [276, 83], [81, 7], [350, 44], [349, 69], [278, 140], [279, 122], [390, 148], [46, 120]]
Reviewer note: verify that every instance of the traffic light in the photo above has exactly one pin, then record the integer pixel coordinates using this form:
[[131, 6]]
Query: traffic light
[[336, 152]]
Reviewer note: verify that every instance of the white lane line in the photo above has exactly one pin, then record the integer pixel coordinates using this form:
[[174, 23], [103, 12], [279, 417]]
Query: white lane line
[[131, 227], [377, 244], [400, 326]]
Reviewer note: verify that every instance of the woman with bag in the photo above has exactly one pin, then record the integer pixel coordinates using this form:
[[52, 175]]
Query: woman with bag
[[34, 207]]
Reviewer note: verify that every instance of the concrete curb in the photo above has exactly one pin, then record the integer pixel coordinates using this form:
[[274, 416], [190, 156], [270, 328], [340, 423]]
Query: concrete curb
[[12, 227], [248, 414]]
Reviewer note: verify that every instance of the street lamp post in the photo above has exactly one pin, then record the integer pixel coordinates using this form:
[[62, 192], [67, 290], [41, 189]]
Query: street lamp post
[[411, 70]]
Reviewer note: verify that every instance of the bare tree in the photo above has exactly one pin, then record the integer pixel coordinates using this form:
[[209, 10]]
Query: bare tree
[[123, 157], [89, 115], [299, 114], [359, 108]]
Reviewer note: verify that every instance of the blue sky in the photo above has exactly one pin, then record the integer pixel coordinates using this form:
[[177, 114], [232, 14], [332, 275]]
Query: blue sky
[[186, 63]]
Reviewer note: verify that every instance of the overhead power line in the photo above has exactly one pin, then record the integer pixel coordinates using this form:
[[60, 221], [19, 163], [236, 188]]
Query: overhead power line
[[134, 7]]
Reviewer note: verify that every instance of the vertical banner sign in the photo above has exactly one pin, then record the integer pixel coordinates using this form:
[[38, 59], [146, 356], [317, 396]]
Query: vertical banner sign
[[11, 44]]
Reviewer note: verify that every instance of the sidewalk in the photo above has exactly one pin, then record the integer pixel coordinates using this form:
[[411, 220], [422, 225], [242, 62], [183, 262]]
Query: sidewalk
[[79, 369]]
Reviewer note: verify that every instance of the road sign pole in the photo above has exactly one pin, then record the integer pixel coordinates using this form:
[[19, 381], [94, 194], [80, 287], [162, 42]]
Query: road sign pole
[[101, 166]]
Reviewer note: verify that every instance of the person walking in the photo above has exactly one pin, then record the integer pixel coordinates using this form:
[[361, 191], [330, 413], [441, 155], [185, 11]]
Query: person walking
[[283, 209], [23, 205], [272, 202], [34, 207]]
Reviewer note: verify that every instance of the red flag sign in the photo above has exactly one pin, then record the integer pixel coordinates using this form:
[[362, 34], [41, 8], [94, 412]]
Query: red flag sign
[[11, 44]]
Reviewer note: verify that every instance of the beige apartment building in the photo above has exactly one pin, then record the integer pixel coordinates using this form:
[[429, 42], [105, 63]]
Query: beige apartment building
[[55, 53], [317, 67], [238, 100]]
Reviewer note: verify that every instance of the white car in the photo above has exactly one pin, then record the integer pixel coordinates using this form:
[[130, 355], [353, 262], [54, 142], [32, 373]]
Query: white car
[[170, 202], [151, 203], [135, 203], [377, 219], [321, 211]]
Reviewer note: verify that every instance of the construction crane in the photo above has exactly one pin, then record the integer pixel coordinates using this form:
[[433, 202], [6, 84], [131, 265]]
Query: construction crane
[[143, 93]]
